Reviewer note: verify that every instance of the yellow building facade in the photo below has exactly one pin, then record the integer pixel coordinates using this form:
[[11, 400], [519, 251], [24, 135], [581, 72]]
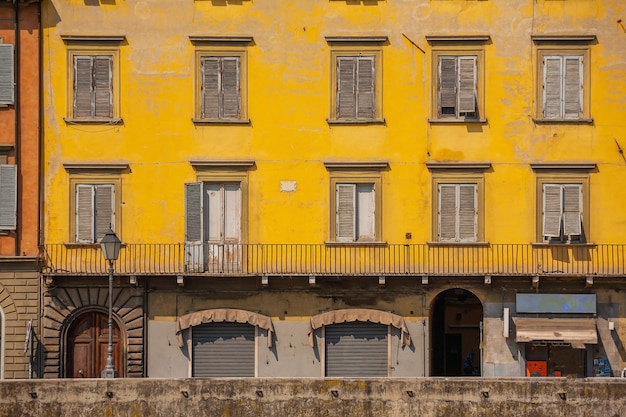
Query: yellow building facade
[[305, 168]]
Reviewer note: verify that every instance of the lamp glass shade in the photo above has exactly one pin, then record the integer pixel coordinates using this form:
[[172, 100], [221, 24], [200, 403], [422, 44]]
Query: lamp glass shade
[[110, 245]]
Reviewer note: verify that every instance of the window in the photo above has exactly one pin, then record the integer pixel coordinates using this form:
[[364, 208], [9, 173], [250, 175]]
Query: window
[[562, 203], [458, 78], [94, 79], [458, 200], [356, 84], [355, 202], [7, 80], [563, 71], [221, 82], [8, 195]]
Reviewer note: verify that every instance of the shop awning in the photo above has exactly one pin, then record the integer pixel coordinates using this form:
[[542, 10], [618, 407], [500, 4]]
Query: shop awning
[[577, 331]]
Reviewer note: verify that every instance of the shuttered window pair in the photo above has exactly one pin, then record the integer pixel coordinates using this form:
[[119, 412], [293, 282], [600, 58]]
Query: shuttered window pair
[[93, 87], [356, 88], [355, 212], [562, 86], [95, 211], [8, 197], [7, 79], [562, 212], [221, 87], [457, 213], [457, 87]]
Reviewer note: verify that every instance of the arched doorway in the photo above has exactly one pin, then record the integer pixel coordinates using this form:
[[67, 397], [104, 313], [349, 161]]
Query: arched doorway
[[87, 343], [456, 335]]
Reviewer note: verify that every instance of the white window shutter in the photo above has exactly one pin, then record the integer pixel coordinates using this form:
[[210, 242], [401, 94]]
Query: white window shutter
[[83, 86], [104, 209], [345, 213], [366, 213], [366, 106], [214, 211], [467, 84], [230, 88], [210, 93], [572, 209], [447, 85], [8, 197], [84, 213], [468, 213], [193, 212], [346, 88], [103, 86], [232, 212], [447, 212], [552, 87], [572, 87], [7, 78], [552, 210]]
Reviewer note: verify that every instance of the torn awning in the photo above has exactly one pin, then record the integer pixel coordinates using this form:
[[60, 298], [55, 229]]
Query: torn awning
[[359, 314], [224, 315], [576, 331]]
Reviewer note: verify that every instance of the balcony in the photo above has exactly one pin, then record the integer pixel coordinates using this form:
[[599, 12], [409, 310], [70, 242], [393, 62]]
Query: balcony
[[608, 260]]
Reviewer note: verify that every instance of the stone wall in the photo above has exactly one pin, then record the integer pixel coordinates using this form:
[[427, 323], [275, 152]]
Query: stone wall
[[425, 397]]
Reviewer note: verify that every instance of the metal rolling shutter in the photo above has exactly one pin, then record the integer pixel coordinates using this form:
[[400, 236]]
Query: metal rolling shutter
[[223, 350], [356, 349]]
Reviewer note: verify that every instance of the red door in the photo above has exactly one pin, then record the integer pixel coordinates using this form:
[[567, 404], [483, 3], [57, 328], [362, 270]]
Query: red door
[[87, 343]]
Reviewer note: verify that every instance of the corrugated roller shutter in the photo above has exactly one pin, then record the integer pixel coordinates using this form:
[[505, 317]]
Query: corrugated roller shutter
[[356, 349], [223, 350]]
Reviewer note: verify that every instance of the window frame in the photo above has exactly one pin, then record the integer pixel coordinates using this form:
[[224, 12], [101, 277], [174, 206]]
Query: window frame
[[356, 47], [548, 46], [90, 180], [94, 47], [458, 47]]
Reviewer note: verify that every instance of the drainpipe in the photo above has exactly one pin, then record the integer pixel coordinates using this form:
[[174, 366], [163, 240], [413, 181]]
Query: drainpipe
[[16, 112]]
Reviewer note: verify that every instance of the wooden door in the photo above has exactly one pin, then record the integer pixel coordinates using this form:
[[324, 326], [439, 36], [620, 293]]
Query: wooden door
[[87, 343]]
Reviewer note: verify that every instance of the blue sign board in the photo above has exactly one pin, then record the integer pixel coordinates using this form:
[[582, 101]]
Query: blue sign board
[[556, 303]]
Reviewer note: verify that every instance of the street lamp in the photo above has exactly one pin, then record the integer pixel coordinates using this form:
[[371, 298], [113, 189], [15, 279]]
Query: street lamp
[[110, 245]]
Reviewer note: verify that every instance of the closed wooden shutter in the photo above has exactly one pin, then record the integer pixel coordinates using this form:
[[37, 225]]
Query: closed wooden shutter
[[356, 349], [365, 213], [552, 87], [194, 249], [84, 213], [447, 86], [468, 213], [346, 88], [7, 78], [366, 96], [103, 86], [572, 209], [447, 213], [83, 86], [231, 92], [467, 84], [552, 209], [210, 93], [93, 86], [105, 209], [572, 86], [223, 350], [8, 197], [346, 213]]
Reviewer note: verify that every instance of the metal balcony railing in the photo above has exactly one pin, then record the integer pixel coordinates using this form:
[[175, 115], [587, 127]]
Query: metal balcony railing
[[340, 260]]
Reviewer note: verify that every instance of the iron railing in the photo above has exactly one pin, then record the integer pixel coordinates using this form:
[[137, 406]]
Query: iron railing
[[340, 260]]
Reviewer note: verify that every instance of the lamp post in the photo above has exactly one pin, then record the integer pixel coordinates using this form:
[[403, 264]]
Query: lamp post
[[110, 245]]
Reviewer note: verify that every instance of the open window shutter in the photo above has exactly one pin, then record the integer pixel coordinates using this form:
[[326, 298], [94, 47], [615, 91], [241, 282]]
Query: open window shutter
[[103, 86], [214, 211], [467, 84], [572, 209], [232, 212], [194, 248], [84, 213], [105, 209], [346, 85], [447, 85], [83, 86], [552, 210], [447, 212], [7, 78], [468, 213], [346, 212], [366, 231], [231, 98], [210, 87], [366, 106], [552, 87], [8, 197], [572, 101]]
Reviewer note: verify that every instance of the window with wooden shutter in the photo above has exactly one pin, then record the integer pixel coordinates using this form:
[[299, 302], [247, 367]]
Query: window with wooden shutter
[[562, 212], [356, 84], [7, 78], [93, 87], [8, 197], [457, 213], [221, 87], [355, 212], [562, 86], [457, 87], [94, 211]]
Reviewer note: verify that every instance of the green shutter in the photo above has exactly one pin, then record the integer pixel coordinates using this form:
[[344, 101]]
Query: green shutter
[[7, 78], [366, 106], [346, 88], [231, 92], [8, 197], [552, 210], [467, 84], [84, 213], [447, 86], [346, 213], [210, 87]]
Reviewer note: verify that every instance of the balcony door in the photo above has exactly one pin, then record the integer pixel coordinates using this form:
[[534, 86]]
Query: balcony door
[[87, 343]]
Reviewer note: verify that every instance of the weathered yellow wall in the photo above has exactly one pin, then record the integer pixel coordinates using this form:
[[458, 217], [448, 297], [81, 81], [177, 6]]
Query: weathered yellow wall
[[288, 104]]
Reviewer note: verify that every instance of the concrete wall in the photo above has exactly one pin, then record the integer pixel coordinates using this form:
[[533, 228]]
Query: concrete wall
[[314, 397]]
